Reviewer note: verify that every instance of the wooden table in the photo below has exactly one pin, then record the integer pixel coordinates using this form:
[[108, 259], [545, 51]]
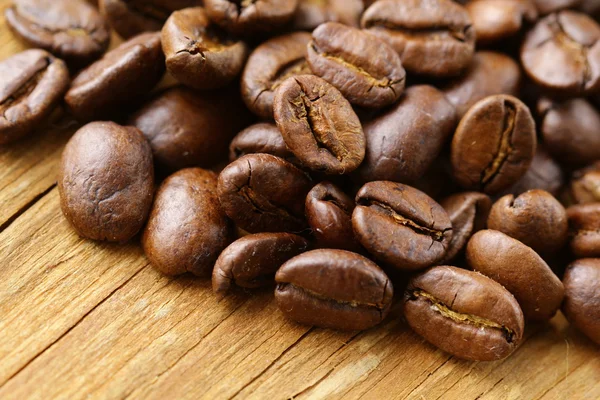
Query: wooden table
[[80, 319]]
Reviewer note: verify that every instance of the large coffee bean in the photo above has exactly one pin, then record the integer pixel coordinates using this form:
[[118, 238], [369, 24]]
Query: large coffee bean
[[582, 296], [496, 20]]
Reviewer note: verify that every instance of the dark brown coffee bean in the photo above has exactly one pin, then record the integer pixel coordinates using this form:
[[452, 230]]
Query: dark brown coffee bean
[[187, 230], [252, 261], [548, 6], [312, 13], [403, 143], [401, 226], [468, 214], [73, 30], [186, 128], [106, 181], [433, 37], [464, 313], [123, 76], [585, 185], [562, 53], [496, 20], [333, 289], [268, 66], [318, 125], [582, 296], [32, 84], [584, 226], [519, 269], [366, 70], [198, 54], [494, 144], [259, 138], [264, 193], [535, 218]]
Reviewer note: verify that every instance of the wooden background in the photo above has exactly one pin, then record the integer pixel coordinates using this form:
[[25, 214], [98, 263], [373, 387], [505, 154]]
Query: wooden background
[[80, 319]]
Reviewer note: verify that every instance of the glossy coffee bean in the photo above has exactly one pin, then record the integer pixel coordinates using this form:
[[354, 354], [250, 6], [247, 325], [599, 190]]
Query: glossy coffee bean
[[333, 289], [32, 84], [548, 6], [318, 125], [496, 20], [433, 37], [404, 142], [584, 187], [252, 260], [72, 30], [264, 193], [582, 296], [494, 144], [519, 269], [401, 226], [123, 76], [106, 181], [259, 138], [365, 69], [584, 227], [312, 13], [464, 313], [187, 230], [199, 54]]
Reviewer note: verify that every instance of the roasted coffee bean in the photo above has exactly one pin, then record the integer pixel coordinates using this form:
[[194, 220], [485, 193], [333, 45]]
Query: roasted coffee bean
[[73, 30], [468, 212], [562, 53], [186, 128], [268, 66], [582, 296], [318, 125], [584, 226], [259, 138], [333, 289], [585, 185], [433, 37], [519, 269], [404, 142], [548, 6], [401, 226], [365, 69], [187, 230], [464, 313], [106, 181], [252, 261], [264, 193], [535, 218], [570, 130], [312, 13], [496, 20], [123, 76], [494, 144], [198, 54], [32, 84]]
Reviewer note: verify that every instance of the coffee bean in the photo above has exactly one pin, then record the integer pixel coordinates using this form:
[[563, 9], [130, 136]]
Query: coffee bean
[[123, 76], [496, 20], [584, 187], [319, 125], [312, 13], [252, 260], [187, 230], [32, 84], [198, 54], [433, 37], [366, 70], [404, 142], [519, 269], [333, 289], [494, 144], [400, 225], [106, 181], [259, 138], [548, 6], [584, 226], [464, 313], [582, 296], [562, 53], [70, 29]]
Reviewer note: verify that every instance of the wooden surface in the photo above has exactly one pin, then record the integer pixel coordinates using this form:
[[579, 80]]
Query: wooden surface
[[80, 319]]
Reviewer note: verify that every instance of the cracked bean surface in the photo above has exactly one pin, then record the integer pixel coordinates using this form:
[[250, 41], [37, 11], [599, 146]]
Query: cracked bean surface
[[251, 16]]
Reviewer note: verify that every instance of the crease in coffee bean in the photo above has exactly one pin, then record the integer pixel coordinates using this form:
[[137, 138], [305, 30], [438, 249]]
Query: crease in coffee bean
[[437, 32], [355, 304], [297, 66], [504, 146], [70, 31], [330, 199], [581, 50], [25, 89]]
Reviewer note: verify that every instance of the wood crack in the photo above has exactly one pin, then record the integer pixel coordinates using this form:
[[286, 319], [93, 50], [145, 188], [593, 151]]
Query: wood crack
[[26, 207]]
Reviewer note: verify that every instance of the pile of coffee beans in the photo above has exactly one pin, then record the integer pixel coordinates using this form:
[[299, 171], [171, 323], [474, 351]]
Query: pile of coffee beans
[[335, 150]]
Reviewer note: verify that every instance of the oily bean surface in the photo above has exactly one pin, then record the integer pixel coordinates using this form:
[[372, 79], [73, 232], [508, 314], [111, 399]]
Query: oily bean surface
[[495, 20], [582, 296], [263, 137], [584, 227]]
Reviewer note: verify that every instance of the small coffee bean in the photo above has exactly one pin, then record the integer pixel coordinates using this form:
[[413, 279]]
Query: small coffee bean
[[584, 187], [400, 225], [584, 227], [259, 138], [582, 296], [187, 230], [264, 193], [318, 125], [252, 260], [106, 181], [32, 84], [496, 20], [464, 313], [519, 269], [494, 144], [333, 289], [312, 13], [366, 70], [548, 6]]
